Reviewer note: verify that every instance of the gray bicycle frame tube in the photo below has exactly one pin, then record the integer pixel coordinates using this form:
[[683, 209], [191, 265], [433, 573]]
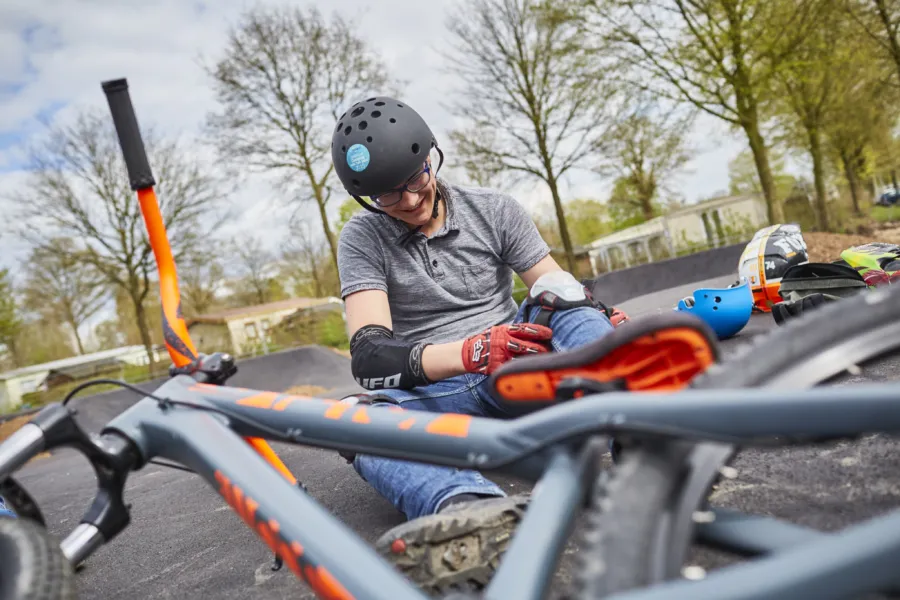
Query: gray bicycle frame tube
[[519, 446], [862, 558], [266, 501]]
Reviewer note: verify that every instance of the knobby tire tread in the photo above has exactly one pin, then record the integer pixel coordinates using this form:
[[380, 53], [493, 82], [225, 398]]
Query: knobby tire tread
[[626, 504], [32, 565]]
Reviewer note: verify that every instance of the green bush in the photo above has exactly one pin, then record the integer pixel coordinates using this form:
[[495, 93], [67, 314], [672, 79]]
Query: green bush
[[333, 332]]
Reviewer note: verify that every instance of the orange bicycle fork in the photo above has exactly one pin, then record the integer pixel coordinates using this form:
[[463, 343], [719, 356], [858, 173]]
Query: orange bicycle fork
[[181, 348]]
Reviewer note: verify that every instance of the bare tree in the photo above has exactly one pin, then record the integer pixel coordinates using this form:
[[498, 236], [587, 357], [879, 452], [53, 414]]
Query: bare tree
[[301, 259], [79, 189], [201, 277], [285, 77], [718, 55], [646, 148], [63, 287], [487, 171], [533, 102], [255, 267]]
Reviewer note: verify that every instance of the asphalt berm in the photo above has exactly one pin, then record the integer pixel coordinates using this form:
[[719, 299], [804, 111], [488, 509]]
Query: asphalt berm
[[184, 542]]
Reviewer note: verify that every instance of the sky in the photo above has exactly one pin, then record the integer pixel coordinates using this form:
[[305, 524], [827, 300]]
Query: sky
[[55, 53]]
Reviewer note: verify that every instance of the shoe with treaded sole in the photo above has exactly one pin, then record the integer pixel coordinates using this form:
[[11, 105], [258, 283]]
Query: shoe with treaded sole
[[457, 549]]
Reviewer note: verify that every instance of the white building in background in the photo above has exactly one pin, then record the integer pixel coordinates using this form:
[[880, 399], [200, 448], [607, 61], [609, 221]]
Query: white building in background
[[239, 330], [709, 224], [15, 384]]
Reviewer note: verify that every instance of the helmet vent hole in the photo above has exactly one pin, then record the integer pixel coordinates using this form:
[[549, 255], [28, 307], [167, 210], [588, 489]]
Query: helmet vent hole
[[343, 148], [348, 129], [344, 115], [379, 103], [718, 298], [358, 111], [355, 182], [363, 124], [369, 139], [376, 114], [715, 308], [339, 126], [393, 120], [400, 105], [370, 99], [415, 148]]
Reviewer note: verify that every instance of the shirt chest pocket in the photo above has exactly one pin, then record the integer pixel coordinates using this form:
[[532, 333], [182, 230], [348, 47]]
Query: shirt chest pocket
[[481, 280]]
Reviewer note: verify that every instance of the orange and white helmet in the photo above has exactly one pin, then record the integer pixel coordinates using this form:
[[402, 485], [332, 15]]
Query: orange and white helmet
[[765, 259]]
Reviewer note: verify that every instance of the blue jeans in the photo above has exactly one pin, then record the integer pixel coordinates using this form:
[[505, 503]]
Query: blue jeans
[[417, 489]]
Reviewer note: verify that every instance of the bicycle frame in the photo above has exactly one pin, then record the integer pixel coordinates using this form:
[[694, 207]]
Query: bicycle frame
[[336, 563]]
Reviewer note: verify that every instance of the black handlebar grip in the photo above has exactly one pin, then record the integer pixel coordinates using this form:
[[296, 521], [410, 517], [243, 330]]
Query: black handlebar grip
[[130, 140]]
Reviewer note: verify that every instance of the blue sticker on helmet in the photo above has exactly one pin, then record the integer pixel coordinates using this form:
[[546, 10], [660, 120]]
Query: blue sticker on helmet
[[358, 157]]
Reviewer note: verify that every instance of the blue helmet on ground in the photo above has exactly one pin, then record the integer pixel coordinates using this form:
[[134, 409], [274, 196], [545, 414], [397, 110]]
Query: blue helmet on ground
[[726, 310]]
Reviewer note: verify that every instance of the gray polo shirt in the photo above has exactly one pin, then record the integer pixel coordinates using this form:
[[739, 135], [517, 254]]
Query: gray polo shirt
[[454, 284]]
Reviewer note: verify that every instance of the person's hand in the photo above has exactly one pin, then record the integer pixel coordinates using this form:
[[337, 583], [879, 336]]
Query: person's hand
[[617, 316], [485, 352]]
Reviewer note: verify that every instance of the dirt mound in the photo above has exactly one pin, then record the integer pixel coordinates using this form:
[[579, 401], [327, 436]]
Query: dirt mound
[[826, 247]]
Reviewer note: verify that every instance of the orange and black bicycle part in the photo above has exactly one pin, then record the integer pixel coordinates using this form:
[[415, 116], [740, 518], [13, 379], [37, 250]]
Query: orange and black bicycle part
[[178, 341], [659, 353]]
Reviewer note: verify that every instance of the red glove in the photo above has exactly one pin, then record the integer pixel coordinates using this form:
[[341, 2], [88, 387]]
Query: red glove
[[485, 352], [617, 317]]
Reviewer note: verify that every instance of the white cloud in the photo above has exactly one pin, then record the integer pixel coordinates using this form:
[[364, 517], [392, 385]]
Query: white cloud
[[57, 52]]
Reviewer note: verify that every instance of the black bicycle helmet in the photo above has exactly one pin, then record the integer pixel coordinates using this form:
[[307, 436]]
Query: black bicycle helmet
[[378, 144]]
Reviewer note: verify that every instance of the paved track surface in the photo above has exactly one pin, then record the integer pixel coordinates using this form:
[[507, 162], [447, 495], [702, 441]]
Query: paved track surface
[[184, 543]]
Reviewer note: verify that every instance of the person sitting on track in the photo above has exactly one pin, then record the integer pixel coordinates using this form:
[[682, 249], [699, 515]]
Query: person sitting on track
[[426, 276]]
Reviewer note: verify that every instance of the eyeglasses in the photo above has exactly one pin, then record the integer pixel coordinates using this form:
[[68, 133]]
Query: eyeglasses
[[414, 184]]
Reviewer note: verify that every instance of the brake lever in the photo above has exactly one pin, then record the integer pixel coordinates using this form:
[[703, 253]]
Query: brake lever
[[214, 369]]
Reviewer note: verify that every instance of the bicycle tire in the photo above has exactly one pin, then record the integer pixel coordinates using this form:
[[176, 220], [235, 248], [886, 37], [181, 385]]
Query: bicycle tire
[[32, 565], [627, 540]]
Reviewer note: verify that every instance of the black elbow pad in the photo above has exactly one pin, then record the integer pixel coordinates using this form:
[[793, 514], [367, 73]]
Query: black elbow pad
[[378, 361]]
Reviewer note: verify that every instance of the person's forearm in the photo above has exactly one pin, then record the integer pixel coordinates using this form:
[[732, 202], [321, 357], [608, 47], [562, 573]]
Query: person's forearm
[[440, 361]]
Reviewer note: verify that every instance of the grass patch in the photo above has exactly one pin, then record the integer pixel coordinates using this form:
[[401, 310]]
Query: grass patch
[[886, 214], [127, 373]]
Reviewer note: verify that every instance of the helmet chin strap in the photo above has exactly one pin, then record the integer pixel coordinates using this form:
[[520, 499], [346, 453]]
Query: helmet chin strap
[[434, 210]]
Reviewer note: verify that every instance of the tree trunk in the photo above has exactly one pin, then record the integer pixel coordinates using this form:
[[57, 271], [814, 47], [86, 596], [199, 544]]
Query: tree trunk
[[314, 270], [73, 323], [815, 151], [852, 181], [326, 227], [550, 178], [77, 338], [563, 228], [646, 190], [140, 315], [764, 170], [14, 354]]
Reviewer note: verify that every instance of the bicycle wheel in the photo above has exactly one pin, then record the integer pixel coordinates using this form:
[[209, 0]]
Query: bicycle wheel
[[32, 565], [640, 523]]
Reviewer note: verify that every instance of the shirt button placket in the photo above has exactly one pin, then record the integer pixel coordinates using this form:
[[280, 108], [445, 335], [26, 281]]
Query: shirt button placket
[[436, 271]]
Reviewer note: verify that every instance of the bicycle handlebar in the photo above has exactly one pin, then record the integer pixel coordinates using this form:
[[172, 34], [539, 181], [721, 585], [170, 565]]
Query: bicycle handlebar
[[19, 448], [125, 120]]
